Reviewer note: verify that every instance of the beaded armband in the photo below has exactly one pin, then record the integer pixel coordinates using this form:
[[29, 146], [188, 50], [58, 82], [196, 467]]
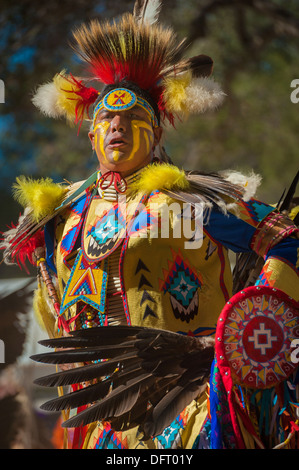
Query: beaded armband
[[274, 228]]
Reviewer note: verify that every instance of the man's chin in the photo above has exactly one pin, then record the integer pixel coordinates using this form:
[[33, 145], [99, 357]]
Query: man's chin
[[116, 157], [123, 163]]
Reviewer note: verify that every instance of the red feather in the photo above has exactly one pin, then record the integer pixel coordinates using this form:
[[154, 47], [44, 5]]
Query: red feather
[[24, 251], [137, 70], [86, 98]]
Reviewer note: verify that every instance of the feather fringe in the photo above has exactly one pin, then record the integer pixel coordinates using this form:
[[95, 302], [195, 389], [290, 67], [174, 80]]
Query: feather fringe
[[208, 190]]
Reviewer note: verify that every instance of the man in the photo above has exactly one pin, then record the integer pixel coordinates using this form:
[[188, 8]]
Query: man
[[102, 255]]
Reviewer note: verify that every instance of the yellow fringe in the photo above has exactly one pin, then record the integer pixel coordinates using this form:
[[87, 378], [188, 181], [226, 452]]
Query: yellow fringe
[[42, 310], [42, 195], [159, 176]]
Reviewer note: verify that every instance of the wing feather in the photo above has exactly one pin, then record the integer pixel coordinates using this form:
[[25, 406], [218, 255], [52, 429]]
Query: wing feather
[[145, 376]]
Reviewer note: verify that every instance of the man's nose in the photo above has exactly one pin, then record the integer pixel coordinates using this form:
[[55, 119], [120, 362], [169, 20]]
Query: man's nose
[[118, 124]]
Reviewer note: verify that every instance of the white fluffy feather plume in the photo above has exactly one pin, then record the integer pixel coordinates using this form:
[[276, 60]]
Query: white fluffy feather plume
[[46, 98], [250, 182], [203, 94]]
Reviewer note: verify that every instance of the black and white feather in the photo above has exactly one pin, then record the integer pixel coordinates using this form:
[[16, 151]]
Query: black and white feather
[[147, 11]]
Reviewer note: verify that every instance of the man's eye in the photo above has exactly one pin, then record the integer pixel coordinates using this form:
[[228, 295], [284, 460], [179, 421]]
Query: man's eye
[[135, 116], [105, 116]]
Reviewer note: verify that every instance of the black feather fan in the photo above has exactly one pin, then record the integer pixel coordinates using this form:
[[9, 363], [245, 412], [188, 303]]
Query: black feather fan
[[130, 375]]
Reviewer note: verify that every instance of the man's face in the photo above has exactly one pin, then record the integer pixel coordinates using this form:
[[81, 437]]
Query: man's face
[[123, 140]]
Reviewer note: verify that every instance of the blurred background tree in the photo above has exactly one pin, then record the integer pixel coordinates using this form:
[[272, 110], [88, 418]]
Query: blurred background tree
[[254, 44]]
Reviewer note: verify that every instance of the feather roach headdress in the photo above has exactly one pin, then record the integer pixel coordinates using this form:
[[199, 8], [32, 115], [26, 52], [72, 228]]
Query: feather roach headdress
[[135, 50]]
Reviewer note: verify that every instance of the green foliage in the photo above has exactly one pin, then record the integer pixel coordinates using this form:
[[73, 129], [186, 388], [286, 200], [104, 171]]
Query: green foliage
[[257, 127]]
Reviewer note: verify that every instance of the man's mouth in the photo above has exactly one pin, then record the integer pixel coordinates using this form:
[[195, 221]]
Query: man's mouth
[[117, 142]]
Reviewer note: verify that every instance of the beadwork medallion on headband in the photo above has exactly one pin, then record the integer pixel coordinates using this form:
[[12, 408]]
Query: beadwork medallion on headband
[[122, 99], [119, 100]]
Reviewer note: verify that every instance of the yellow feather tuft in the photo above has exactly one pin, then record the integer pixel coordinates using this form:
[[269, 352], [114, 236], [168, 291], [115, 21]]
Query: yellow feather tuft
[[42, 310], [42, 195], [67, 99], [159, 176], [175, 92]]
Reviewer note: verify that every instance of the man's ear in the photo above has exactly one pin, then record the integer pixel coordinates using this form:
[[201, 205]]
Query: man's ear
[[157, 134], [91, 138]]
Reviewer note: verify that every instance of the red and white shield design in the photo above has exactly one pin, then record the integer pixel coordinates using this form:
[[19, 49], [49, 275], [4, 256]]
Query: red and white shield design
[[254, 337]]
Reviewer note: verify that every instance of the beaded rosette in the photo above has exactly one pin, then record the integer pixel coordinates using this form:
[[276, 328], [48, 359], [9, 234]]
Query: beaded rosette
[[255, 337]]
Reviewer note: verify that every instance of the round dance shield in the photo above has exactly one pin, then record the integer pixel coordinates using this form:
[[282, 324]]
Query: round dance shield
[[256, 335]]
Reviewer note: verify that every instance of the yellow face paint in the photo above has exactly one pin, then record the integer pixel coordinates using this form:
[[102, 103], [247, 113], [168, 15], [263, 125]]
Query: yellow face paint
[[145, 134], [115, 155], [102, 128], [136, 130]]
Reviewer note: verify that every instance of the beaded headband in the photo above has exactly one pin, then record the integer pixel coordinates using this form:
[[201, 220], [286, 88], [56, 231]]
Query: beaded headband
[[122, 99]]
